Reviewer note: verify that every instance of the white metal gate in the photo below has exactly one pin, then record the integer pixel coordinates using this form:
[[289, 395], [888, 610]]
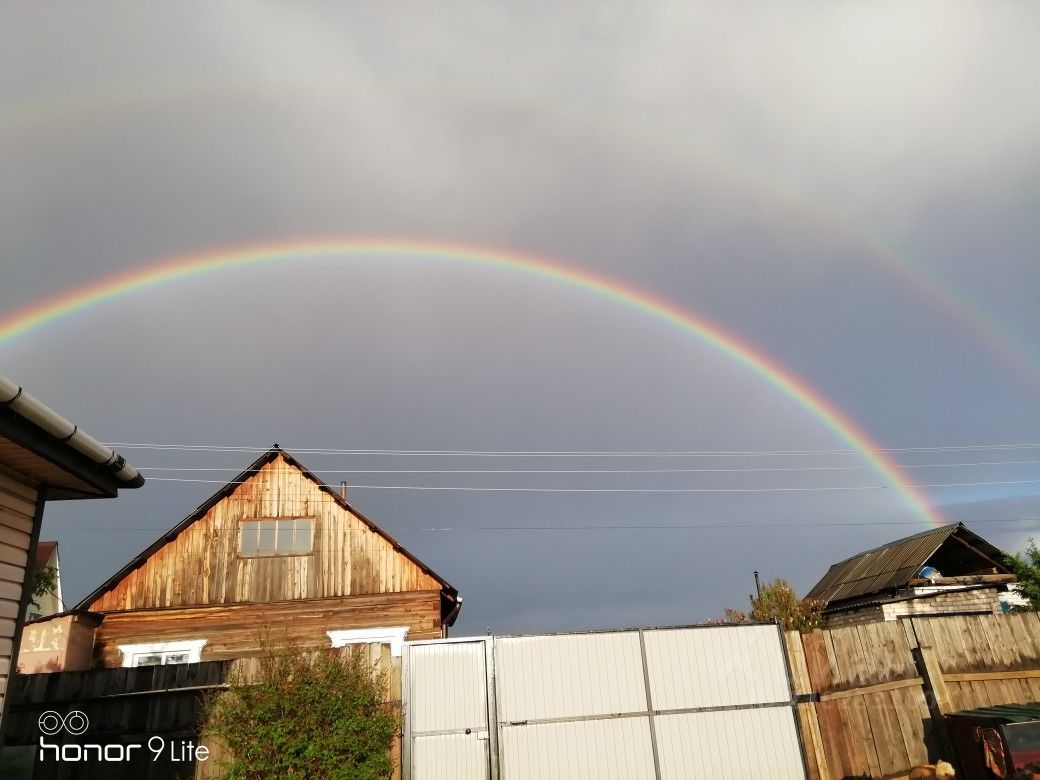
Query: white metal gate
[[652, 704]]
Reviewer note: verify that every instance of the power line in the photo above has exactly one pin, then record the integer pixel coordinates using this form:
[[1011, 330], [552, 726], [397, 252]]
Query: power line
[[571, 453], [736, 470], [606, 527], [472, 489]]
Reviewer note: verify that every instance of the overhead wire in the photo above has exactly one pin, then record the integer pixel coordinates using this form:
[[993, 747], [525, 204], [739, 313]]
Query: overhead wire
[[571, 453], [465, 488], [735, 470], [608, 527]]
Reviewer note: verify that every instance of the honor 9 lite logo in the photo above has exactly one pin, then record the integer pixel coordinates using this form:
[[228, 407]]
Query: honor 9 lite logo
[[75, 723]]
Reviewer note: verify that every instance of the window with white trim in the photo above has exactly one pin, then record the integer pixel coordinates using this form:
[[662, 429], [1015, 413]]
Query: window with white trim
[[267, 536], [387, 635], [187, 651]]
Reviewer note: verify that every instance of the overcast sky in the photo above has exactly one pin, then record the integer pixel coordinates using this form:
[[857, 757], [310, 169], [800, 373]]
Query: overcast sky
[[850, 188]]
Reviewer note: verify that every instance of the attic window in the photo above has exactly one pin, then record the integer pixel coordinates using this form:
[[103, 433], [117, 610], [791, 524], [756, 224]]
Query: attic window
[[276, 536]]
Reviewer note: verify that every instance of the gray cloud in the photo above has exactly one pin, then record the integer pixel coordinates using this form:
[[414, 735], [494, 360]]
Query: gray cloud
[[755, 165]]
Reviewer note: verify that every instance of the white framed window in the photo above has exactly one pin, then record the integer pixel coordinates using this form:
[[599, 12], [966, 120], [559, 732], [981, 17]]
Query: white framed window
[[386, 635], [268, 536], [188, 651]]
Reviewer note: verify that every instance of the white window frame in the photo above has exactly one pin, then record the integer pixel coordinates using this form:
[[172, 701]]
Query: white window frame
[[242, 523], [384, 635], [193, 647]]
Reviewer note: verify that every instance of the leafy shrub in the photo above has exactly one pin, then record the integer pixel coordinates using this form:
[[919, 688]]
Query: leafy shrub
[[778, 601], [312, 715], [44, 581], [1027, 567]]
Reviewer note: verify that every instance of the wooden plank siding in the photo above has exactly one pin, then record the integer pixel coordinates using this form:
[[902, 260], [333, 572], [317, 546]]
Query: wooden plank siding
[[985, 660], [201, 565], [236, 631], [17, 511], [872, 685]]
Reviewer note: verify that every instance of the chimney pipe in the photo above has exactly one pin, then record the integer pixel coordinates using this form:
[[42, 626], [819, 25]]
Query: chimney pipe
[[343, 490]]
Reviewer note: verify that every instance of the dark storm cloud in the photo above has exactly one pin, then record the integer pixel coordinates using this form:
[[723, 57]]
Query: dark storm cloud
[[746, 162]]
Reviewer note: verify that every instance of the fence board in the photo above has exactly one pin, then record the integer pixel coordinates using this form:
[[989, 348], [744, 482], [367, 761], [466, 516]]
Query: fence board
[[808, 725], [872, 715]]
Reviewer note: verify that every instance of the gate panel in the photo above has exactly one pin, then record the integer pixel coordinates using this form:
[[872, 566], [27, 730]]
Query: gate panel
[[449, 756], [705, 702], [720, 666], [605, 749], [447, 711], [740, 743], [572, 675]]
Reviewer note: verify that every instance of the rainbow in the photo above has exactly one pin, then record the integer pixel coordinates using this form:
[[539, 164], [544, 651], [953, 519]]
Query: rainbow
[[1005, 346], [178, 268]]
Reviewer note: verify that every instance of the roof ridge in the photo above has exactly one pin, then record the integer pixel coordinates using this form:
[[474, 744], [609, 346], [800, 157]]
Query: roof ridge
[[949, 528]]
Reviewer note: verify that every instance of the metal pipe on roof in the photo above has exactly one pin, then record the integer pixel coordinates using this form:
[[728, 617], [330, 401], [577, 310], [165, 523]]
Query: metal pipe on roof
[[26, 405]]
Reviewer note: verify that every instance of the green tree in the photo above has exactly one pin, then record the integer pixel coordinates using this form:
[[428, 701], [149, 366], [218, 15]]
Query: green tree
[[321, 715], [44, 581], [778, 602], [1026, 566]]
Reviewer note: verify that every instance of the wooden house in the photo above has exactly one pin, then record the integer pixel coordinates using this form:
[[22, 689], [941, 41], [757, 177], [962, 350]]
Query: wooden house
[[275, 555], [947, 570], [43, 457]]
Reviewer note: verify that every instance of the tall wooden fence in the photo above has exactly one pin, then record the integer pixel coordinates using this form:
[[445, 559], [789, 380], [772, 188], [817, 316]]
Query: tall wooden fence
[[873, 695], [119, 707]]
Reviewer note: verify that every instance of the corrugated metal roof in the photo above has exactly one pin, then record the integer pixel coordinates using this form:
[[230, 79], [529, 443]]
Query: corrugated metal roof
[[1008, 713], [890, 566]]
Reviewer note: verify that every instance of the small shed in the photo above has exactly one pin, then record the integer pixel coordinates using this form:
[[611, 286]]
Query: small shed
[[947, 570], [1000, 741]]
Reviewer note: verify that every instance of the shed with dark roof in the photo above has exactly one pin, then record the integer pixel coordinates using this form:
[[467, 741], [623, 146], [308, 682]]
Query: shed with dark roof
[[941, 566]]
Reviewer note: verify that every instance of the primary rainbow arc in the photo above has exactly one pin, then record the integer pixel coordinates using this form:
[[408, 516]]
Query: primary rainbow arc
[[812, 401]]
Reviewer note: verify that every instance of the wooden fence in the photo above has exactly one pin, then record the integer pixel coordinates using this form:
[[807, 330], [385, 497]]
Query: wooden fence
[[873, 695], [122, 707]]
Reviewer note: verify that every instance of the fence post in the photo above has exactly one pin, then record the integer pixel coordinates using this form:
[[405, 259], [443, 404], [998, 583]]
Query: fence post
[[807, 720], [937, 697]]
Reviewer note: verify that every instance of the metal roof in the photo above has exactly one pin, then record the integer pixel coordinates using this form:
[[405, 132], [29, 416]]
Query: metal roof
[[892, 565], [1008, 713]]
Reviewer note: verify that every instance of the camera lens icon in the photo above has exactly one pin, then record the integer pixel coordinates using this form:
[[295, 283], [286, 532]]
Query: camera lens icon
[[73, 723]]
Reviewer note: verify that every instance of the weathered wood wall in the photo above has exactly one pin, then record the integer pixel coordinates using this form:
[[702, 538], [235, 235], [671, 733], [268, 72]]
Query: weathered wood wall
[[985, 660], [17, 510], [881, 687], [235, 631], [202, 565], [123, 706], [872, 717]]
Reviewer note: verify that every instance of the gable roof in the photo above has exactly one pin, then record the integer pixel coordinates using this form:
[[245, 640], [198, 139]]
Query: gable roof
[[448, 591], [891, 566]]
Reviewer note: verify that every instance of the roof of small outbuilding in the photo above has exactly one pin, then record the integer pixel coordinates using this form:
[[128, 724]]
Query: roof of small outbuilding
[[1007, 713], [892, 565]]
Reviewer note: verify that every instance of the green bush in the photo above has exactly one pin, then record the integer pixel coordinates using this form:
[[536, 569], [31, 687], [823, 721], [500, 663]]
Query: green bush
[[1027, 566], [311, 715], [778, 602]]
